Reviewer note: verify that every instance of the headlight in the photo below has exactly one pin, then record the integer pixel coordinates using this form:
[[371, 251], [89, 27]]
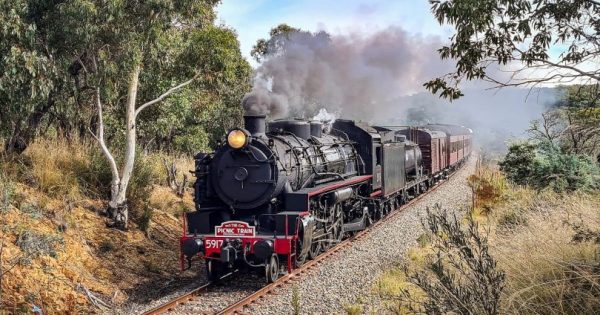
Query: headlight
[[237, 139]]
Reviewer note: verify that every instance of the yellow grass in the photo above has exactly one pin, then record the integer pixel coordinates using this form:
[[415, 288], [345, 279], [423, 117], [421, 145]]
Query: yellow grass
[[50, 200], [547, 271], [531, 234], [55, 166]]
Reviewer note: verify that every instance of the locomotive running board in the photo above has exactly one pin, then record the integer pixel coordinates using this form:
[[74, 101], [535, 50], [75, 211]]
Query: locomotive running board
[[298, 200]]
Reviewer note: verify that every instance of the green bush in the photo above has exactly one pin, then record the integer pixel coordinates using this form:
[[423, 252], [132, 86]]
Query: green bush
[[519, 163], [7, 192], [138, 191], [463, 278], [543, 165], [34, 244], [95, 176]]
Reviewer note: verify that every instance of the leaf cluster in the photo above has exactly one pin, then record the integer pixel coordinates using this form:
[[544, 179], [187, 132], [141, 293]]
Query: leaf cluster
[[544, 165], [500, 32]]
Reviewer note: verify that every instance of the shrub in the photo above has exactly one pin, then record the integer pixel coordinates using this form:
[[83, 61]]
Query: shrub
[[295, 301], [95, 176], [145, 218], [564, 172], [463, 278], [34, 244], [106, 246], [33, 210], [518, 164], [487, 186], [138, 192], [353, 309], [543, 165], [7, 192]]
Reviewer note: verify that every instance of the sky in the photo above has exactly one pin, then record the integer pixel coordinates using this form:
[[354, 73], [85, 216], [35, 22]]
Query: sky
[[252, 19], [395, 67]]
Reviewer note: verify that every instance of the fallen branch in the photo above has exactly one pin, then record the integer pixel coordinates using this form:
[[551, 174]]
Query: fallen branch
[[96, 301]]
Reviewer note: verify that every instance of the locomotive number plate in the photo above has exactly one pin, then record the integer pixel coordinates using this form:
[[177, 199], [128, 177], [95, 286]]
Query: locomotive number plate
[[235, 228]]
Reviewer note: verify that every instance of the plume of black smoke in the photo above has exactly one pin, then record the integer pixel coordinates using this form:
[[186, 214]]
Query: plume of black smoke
[[379, 78], [349, 74]]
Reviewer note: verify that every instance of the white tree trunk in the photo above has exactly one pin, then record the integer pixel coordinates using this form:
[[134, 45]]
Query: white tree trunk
[[130, 139], [118, 198]]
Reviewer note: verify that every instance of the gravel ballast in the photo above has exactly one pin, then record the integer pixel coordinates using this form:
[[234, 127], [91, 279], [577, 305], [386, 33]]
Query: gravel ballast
[[349, 275], [340, 280]]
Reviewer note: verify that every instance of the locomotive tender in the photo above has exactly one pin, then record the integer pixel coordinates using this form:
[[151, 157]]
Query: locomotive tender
[[272, 199]]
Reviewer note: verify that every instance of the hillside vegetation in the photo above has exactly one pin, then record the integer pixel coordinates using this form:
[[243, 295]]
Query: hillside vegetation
[[57, 252], [98, 100], [529, 241]]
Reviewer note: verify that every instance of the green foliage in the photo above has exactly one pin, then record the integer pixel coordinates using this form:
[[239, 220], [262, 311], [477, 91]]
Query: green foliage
[[140, 187], [464, 277], [54, 53], [34, 244], [579, 96], [7, 192], [543, 165], [32, 210], [518, 164], [145, 218], [492, 32], [27, 71], [278, 36], [95, 176], [561, 171]]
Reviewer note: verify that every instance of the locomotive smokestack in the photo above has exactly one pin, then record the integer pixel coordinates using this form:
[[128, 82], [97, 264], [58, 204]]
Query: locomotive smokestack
[[255, 124]]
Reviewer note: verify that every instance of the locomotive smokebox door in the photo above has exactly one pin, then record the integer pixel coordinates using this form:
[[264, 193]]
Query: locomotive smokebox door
[[246, 178]]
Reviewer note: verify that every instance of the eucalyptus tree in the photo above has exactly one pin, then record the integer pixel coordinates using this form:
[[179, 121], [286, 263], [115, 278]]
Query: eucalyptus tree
[[28, 75], [150, 50], [121, 57], [542, 41]]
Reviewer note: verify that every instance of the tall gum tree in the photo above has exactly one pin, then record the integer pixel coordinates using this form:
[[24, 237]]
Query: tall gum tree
[[125, 57]]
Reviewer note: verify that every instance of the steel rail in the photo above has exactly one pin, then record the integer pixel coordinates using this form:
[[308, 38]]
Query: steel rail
[[238, 307], [184, 298]]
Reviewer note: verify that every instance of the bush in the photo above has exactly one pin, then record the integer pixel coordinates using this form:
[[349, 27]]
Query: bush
[[7, 192], [32, 210], [543, 165], [488, 186], [463, 278], [34, 244], [138, 192], [519, 163]]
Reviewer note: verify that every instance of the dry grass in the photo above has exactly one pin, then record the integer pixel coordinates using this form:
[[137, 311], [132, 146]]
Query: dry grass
[[548, 272], [52, 193], [546, 243], [184, 165], [56, 166]]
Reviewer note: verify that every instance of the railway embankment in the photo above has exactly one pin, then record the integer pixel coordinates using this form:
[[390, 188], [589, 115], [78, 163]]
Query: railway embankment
[[57, 254], [336, 285], [518, 250]]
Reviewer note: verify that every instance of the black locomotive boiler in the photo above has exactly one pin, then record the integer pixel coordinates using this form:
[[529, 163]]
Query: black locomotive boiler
[[273, 195]]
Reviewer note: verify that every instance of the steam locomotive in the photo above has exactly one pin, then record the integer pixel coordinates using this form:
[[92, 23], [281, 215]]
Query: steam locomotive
[[272, 199]]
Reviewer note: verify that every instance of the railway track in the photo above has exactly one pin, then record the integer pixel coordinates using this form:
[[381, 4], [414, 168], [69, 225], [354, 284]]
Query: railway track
[[238, 307]]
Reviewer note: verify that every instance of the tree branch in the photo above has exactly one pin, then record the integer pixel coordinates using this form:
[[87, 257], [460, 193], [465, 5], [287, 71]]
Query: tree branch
[[164, 95], [100, 138]]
